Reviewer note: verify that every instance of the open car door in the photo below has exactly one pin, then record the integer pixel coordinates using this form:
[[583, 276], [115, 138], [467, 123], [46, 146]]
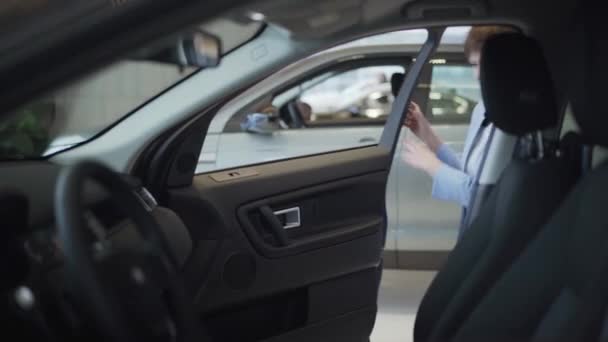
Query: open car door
[[288, 250]]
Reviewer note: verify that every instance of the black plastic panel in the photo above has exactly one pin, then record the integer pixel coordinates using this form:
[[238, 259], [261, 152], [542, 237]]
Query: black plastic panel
[[326, 220], [336, 181], [343, 295], [353, 327], [301, 310], [259, 319]]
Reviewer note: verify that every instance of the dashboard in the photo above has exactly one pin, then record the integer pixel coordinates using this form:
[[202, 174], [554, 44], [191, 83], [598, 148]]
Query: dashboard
[[32, 263], [102, 220], [35, 183], [27, 208]]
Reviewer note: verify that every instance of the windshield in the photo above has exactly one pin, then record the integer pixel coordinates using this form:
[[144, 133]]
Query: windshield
[[80, 111]]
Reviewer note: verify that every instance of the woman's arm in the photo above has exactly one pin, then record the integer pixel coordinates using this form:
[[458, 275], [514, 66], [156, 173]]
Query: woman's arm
[[448, 156], [451, 184]]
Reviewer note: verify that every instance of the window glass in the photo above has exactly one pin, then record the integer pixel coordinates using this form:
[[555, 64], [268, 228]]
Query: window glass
[[341, 108], [76, 113], [344, 105], [362, 93], [330, 107], [81, 110], [454, 92]]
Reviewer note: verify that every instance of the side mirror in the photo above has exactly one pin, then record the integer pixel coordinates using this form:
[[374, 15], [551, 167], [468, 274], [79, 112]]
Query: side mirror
[[260, 123], [194, 49]]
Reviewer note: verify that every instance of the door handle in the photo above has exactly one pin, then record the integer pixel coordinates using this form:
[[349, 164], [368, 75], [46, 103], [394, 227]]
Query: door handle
[[369, 140], [289, 218], [276, 228]]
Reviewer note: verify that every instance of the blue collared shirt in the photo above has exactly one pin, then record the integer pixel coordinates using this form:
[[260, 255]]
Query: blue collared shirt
[[452, 182]]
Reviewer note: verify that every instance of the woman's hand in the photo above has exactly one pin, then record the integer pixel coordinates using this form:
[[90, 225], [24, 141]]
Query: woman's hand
[[421, 157], [417, 123]]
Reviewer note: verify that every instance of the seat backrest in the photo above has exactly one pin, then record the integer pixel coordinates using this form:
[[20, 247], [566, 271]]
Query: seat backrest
[[525, 196], [542, 293], [557, 286]]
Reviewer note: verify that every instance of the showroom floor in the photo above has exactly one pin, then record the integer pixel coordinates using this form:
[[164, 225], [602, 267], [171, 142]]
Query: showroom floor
[[400, 295]]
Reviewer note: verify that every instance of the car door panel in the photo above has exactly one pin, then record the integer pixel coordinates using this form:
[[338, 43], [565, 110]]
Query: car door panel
[[392, 213], [347, 327], [323, 220], [243, 265], [244, 148]]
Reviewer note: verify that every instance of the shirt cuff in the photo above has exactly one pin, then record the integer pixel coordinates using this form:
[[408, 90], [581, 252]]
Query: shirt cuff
[[443, 152], [448, 156], [447, 185]]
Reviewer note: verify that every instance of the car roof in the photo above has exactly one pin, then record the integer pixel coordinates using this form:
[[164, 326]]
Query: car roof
[[316, 24]]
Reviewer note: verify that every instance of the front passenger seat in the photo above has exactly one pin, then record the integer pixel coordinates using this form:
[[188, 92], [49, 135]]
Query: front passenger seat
[[519, 97]]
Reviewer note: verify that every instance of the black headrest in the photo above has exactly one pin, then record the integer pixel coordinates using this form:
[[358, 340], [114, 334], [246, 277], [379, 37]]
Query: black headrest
[[516, 85], [396, 82], [590, 108]]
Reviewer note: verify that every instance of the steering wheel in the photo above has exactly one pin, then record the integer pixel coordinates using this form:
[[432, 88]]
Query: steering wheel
[[130, 294], [294, 115]]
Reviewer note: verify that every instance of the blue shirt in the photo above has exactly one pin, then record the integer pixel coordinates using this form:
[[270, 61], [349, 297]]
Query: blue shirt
[[452, 182]]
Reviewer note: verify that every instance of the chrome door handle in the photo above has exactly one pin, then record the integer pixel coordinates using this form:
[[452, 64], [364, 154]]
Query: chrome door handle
[[289, 218]]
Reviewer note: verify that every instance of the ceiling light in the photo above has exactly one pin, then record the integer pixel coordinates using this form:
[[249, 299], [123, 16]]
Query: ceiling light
[[438, 61], [256, 16]]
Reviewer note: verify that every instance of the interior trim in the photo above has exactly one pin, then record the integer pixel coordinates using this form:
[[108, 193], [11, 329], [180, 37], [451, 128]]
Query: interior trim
[[394, 121], [414, 260]]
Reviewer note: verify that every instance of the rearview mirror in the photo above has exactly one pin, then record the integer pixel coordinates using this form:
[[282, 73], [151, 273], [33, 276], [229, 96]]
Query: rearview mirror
[[200, 49], [194, 49]]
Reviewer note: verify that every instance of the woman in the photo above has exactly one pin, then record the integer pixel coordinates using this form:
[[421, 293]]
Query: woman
[[453, 177]]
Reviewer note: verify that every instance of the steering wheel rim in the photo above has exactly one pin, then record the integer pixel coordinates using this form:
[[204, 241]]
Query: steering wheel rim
[[80, 263], [295, 115]]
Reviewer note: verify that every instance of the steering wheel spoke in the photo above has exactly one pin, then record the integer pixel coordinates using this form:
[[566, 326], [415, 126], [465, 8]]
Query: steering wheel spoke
[[132, 293]]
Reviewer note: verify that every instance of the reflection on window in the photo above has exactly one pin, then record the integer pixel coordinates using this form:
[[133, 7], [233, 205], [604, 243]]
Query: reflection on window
[[363, 93], [454, 91]]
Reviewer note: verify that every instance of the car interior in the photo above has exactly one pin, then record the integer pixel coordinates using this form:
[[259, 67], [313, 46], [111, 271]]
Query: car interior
[[118, 238]]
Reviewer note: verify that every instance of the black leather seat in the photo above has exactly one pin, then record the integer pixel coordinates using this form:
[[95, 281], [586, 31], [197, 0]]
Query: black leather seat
[[558, 288], [519, 99]]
